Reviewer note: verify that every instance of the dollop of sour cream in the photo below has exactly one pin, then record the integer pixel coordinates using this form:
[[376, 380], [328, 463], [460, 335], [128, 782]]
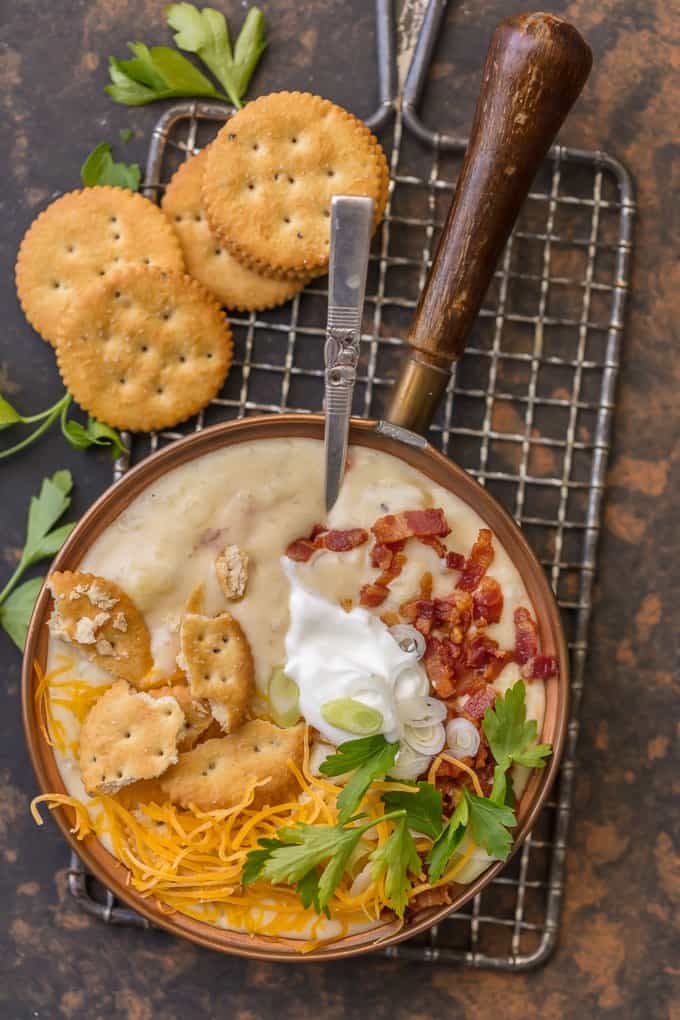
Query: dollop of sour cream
[[332, 654]]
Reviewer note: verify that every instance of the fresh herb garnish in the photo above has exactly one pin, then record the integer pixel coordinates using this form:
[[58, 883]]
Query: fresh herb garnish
[[126, 134], [206, 33], [99, 168], [95, 433], [448, 841], [156, 73], [369, 758], [423, 808], [396, 859], [512, 738], [298, 851], [43, 541]]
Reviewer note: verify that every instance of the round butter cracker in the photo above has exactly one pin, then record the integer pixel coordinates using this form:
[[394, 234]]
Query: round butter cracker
[[81, 238], [144, 348], [206, 258], [271, 173]]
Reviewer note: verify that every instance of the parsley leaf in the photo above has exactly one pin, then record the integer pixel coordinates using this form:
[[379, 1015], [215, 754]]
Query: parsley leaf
[[423, 808], [370, 758], [489, 824], [99, 168], [8, 415], [95, 433], [301, 849], [42, 542], [396, 858], [510, 734], [126, 134], [16, 611], [156, 73], [206, 33], [448, 842]]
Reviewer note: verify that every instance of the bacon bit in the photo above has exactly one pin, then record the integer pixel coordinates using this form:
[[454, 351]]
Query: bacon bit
[[440, 660], [423, 624], [300, 550], [542, 668], [346, 604], [488, 601], [436, 544], [372, 595], [342, 541], [390, 618], [321, 538], [438, 897], [478, 702], [381, 556], [426, 585], [418, 609], [526, 636], [410, 524], [478, 562], [455, 561]]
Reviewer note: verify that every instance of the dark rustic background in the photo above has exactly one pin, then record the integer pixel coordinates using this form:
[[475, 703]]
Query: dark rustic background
[[618, 955]]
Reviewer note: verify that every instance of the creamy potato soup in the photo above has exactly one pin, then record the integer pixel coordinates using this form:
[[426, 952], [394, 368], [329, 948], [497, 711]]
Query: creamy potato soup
[[396, 621]]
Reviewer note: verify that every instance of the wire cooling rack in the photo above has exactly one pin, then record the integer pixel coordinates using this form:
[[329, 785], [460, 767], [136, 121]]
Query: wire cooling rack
[[528, 412]]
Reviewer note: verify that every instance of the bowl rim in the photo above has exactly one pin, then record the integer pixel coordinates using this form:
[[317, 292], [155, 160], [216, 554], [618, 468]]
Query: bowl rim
[[106, 868]]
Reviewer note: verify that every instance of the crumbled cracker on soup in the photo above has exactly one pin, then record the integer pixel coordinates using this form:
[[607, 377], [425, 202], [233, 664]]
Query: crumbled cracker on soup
[[231, 568], [219, 664], [127, 736], [99, 618], [197, 715], [219, 773]]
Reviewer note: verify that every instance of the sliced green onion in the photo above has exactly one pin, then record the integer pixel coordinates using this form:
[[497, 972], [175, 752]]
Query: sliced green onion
[[352, 716], [284, 698]]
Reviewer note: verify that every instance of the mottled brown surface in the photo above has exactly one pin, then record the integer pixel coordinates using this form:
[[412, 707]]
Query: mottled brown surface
[[618, 953]]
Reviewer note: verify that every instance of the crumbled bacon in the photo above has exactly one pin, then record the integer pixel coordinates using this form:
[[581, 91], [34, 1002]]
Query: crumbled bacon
[[301, 549], [440, 660], [542, 668], [410, 524], [455, 561], [342, 541], [426, 585], [478, 702], [478, 562], [526, 636], [488, 601], [437, 897], [381, 555], [372, 595]]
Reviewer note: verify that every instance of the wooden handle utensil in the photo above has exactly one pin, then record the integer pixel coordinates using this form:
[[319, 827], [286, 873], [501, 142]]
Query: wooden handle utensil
[[535, 69]]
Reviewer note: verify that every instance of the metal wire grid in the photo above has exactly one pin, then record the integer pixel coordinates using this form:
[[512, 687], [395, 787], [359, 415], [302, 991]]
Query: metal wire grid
[[528, 412]]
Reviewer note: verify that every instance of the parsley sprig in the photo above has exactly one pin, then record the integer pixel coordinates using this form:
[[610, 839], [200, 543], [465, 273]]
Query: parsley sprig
[[298, 851], [369, 758], [93, 433], [160, 72], [43, 541], [99, 168], [206, 33], [314, 858]]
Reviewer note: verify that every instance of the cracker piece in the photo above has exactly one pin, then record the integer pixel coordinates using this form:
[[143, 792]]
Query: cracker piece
[[219, 665], [219, 773], [99, 618], [231, 568], [272, 171], [82, 237], [128, 736], [197, 716], [144, 348], [207, 260]]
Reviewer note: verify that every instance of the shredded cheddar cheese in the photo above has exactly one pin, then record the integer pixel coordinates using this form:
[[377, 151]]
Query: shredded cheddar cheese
[[191, 861]]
